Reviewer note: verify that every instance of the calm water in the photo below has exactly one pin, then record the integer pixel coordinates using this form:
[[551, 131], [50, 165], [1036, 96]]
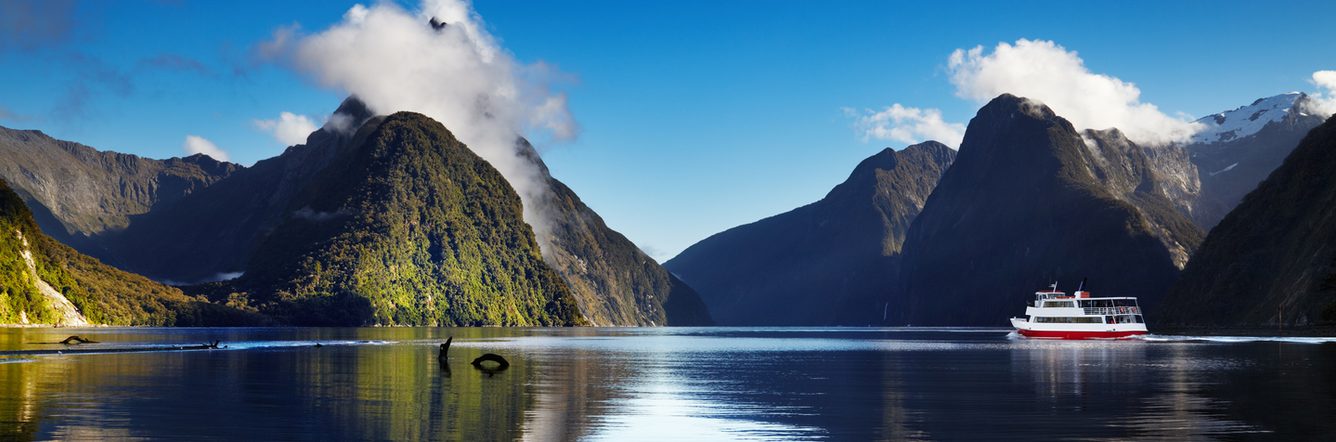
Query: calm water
[[664, 383]]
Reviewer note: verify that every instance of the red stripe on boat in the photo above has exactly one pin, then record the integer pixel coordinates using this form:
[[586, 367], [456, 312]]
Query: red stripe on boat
[[1080, 334]]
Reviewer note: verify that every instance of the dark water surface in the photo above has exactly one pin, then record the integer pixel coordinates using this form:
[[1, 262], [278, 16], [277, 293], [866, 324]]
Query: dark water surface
[[664, 384]]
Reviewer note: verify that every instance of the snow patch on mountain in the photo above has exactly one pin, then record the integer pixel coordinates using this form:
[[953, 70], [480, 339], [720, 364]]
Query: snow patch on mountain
[[1246, 120], [1226, 169]]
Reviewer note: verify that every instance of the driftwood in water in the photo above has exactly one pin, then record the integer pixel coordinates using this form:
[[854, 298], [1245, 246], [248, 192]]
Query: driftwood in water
[[445, 349], [211, 346], [76, 340]]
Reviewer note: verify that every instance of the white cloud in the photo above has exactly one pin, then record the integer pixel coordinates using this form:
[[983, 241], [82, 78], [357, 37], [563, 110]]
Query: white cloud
[[1044, 71], [289, 128], [1324, 101], [394, 60], [196, 144], [906, 125]]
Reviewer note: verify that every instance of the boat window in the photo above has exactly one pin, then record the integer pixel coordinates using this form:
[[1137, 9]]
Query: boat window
[[1059, 304], [1129, 319], [1068, 319]]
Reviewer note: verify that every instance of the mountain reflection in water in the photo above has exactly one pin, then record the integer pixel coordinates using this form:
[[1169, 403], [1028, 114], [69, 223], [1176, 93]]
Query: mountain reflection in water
[[662, 383]]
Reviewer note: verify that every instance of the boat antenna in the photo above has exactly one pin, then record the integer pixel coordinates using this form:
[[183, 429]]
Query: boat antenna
[[1083, 280], [1054, 286]]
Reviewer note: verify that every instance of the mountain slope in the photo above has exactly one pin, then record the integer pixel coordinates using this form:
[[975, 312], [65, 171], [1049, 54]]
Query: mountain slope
[[211, 233], [45, 282], [1146, 179], [832, 262], [406, 227], [614, 282], [1020, 207], [1270, 261], [77, 192], [1241, 147]]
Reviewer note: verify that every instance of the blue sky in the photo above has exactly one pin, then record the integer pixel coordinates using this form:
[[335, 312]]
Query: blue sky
[[695, 116]]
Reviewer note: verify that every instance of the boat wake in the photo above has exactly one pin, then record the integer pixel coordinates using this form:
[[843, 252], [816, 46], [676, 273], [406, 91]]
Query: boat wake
[[1237, 339]]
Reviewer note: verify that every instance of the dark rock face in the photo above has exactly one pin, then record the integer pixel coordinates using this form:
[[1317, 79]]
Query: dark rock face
[[77, 192], [614, 282], [832, 262], [1026, 203], [1270, 260]]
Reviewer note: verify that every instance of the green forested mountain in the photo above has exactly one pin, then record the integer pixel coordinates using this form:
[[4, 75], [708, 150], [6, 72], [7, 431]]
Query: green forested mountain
[[216, 231], [832, 262], [45, 282], [405, 227], [1270, 261]]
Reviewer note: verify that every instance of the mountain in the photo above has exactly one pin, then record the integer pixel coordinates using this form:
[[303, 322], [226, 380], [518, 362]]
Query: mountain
[[1027, 202], [1156, 181], [1239, 148], [77, 192], [212, 233], [45, 282], [832, 262], [215, 233], [1270, 260], [614, 282], [407, 226]]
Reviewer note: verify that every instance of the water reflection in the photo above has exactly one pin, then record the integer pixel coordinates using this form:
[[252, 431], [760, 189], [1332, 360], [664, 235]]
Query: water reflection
[[620, 384]]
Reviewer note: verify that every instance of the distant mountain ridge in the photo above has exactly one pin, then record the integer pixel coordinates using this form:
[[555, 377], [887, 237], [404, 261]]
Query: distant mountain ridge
[[832, 262], [77, 191]]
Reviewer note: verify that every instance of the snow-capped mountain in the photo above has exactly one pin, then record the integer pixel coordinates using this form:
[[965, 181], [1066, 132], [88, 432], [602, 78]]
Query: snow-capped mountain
[[1248, 120], [1239, 148]]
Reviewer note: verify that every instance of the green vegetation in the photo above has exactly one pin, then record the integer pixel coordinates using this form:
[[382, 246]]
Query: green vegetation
[[409, 227], [103, 294]]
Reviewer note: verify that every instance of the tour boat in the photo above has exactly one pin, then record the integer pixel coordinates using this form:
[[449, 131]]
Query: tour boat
[[1057, 315]]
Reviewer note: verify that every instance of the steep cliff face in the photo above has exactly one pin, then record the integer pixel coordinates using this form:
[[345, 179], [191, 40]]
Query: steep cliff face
[[1270, 261], [1153, 180], [833, 262], [1026, 203], [77, 192]]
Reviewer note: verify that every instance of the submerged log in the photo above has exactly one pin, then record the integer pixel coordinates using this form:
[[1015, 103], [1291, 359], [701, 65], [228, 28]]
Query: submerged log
[[76, 340]]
